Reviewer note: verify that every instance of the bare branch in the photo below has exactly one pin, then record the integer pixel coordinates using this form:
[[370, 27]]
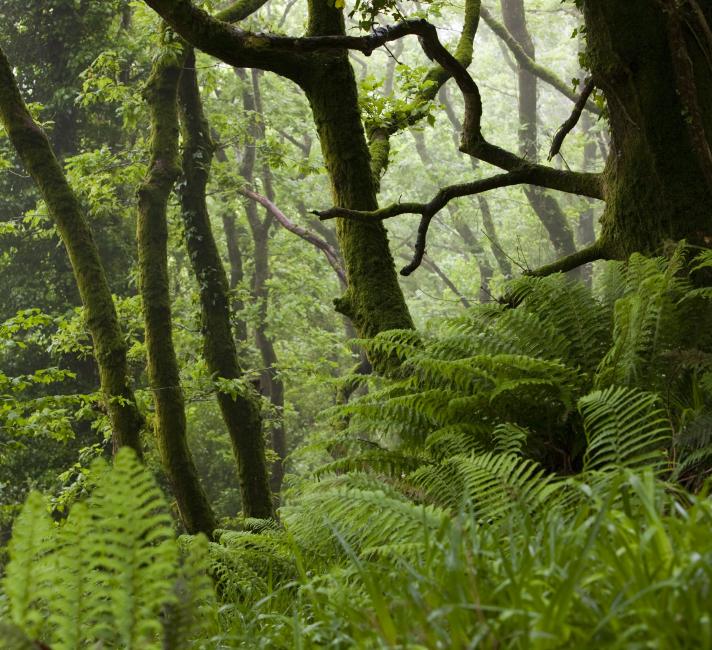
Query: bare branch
[[330, 253], [569, 125], [595, 251], [439, 201]]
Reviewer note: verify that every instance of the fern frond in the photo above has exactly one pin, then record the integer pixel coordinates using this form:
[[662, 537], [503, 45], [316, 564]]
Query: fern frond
[[28, 574], [510, 438], [624, 428], [364, 518], [385, 461], [491, 484], [73, 580], [134, 557], [458, 439], [571, 310]]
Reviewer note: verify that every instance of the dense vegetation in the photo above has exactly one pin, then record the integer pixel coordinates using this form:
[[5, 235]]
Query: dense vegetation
[[507, 446]]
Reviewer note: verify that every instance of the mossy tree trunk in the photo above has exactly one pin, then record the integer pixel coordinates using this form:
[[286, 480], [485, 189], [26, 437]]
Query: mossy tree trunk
[[35, 151], [240, 410], [152, 235], [373, 300], [651, 59]]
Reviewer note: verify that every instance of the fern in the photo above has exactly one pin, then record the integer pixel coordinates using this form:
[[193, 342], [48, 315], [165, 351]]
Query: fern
[[27, 577], [108, 574], [624, 428], [491, 484]]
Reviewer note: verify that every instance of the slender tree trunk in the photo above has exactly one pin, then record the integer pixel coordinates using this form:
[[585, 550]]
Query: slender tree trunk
[[586, 225], [36, 154], [658, 85], [373, 300], [152, 236], [544, 205], [273, 386], [237, 271], [241, 411]]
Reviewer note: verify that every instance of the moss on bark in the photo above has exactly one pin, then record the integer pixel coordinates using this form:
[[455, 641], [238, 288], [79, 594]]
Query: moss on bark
[[36, 153], [152, 235], [373, 300], [240, 412], [655, 189]]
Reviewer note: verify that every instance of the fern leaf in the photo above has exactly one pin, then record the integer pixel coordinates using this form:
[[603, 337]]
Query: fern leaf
[[624, 428], [27, 577]]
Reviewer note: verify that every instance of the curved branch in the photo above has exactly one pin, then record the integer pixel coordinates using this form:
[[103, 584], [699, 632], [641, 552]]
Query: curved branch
[[596, 251], [228, 43], [285, 55], [437, 203], [329, 252], [569, 125], [434, 80], [239, 10], [538, 70]]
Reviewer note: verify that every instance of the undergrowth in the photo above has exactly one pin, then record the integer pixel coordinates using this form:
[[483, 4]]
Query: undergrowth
[[532, 476]]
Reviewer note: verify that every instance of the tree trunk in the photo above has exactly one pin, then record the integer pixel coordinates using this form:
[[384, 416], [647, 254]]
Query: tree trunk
[[586, 226], [373, 300], [241, 411], [36, 153], [272, 384], [658, 85], [152, 235], [544, 205]]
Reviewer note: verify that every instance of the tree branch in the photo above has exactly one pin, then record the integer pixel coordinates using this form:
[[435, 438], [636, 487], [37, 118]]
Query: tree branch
[[568, 126], [434, 79], [437, 203], [235, 46], [286, 56], [329, 252], [595, 251], [239, 10]]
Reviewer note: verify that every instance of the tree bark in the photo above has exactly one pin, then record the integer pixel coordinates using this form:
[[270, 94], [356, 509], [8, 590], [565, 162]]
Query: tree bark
[[35, 151], [373, 301], [656, 186], [152, 236], [272, 384], [240, 411]]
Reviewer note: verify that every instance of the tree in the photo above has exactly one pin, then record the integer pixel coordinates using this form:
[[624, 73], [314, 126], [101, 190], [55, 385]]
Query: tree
[[36, 152], [239, 406]]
